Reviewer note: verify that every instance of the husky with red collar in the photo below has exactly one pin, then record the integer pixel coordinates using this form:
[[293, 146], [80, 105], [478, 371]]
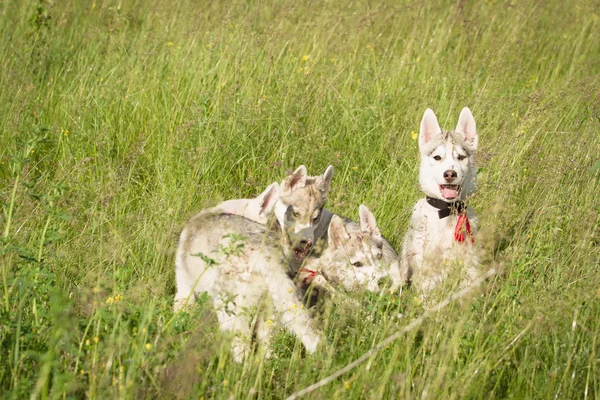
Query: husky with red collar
[[353, 259], [439, 242]]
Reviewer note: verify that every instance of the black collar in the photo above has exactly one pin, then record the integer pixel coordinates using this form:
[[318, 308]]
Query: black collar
[[445, 209]]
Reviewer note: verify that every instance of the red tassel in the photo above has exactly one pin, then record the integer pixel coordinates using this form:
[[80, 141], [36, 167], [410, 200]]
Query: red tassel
[[462, 229]]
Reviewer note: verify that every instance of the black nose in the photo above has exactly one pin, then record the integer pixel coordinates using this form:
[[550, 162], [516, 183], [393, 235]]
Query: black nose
[[450, 175], [305, 243]]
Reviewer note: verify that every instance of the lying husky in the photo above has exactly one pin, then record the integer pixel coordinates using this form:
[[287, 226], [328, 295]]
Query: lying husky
[[352, 259], [390, 261], [440, 235]]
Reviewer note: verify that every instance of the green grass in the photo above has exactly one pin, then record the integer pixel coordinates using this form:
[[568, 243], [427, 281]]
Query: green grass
[[120, 119]]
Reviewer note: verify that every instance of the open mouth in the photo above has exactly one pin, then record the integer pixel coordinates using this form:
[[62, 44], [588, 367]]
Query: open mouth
[[302, 252], [450, 192]]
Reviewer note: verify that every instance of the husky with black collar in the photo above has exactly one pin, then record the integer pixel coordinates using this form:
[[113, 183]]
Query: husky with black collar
[[439, 242]]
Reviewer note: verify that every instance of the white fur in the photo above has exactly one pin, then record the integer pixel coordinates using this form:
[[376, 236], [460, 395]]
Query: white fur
[[298, 180], [429, 252], [257, 209], [431, 146], [355, 257], [240, 284]]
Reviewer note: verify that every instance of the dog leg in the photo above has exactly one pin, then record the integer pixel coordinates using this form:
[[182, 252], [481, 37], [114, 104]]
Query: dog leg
[[239, 325], [264, 333], [185, 294], [292, 313]]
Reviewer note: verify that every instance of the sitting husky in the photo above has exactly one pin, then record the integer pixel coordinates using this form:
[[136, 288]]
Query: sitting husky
[[440, 235]]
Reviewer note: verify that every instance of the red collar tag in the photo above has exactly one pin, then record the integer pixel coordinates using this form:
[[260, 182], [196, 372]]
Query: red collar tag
[[311, 274], [462, 229]]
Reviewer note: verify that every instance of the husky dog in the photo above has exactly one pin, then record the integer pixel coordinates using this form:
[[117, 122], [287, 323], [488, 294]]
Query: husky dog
[[353, 258], [258, 209], [299, 212], [440, 235], [240, 276], [242, 267], [390, 261]]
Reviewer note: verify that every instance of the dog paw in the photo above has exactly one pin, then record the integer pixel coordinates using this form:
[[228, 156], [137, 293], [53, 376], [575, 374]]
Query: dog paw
[[311, 341]]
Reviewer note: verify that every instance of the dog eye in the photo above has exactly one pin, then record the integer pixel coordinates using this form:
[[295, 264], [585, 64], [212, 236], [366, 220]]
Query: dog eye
[[437, 158], [357, 264], [296, 214], [461, 157]]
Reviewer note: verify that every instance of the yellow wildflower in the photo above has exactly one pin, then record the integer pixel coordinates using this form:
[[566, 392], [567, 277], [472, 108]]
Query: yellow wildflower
[[148, 346], [414, 135], [305, 57], [169, 44]]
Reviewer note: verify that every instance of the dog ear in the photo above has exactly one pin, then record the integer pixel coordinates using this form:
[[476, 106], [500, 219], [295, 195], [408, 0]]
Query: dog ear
[[297, 179], [325, 181], [268, 198], [466, 126], [337, 232], [367, 221], [429, 127]]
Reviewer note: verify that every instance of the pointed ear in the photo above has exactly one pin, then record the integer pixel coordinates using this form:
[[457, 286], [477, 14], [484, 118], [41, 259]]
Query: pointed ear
[[466, 126], [337, 232], [297, 179], [325, 181], [268, 198], [367, 221], [429, 128]]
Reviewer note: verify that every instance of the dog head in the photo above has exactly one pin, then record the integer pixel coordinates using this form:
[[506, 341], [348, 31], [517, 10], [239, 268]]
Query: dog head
[[354, 255], [299, 209], [448, 168]]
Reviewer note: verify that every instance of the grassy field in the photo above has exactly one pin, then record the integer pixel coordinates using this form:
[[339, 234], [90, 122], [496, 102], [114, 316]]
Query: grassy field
[[120, 119]]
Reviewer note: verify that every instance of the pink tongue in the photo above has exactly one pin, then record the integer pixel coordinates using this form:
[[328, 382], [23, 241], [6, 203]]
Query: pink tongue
[[449, 192]]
